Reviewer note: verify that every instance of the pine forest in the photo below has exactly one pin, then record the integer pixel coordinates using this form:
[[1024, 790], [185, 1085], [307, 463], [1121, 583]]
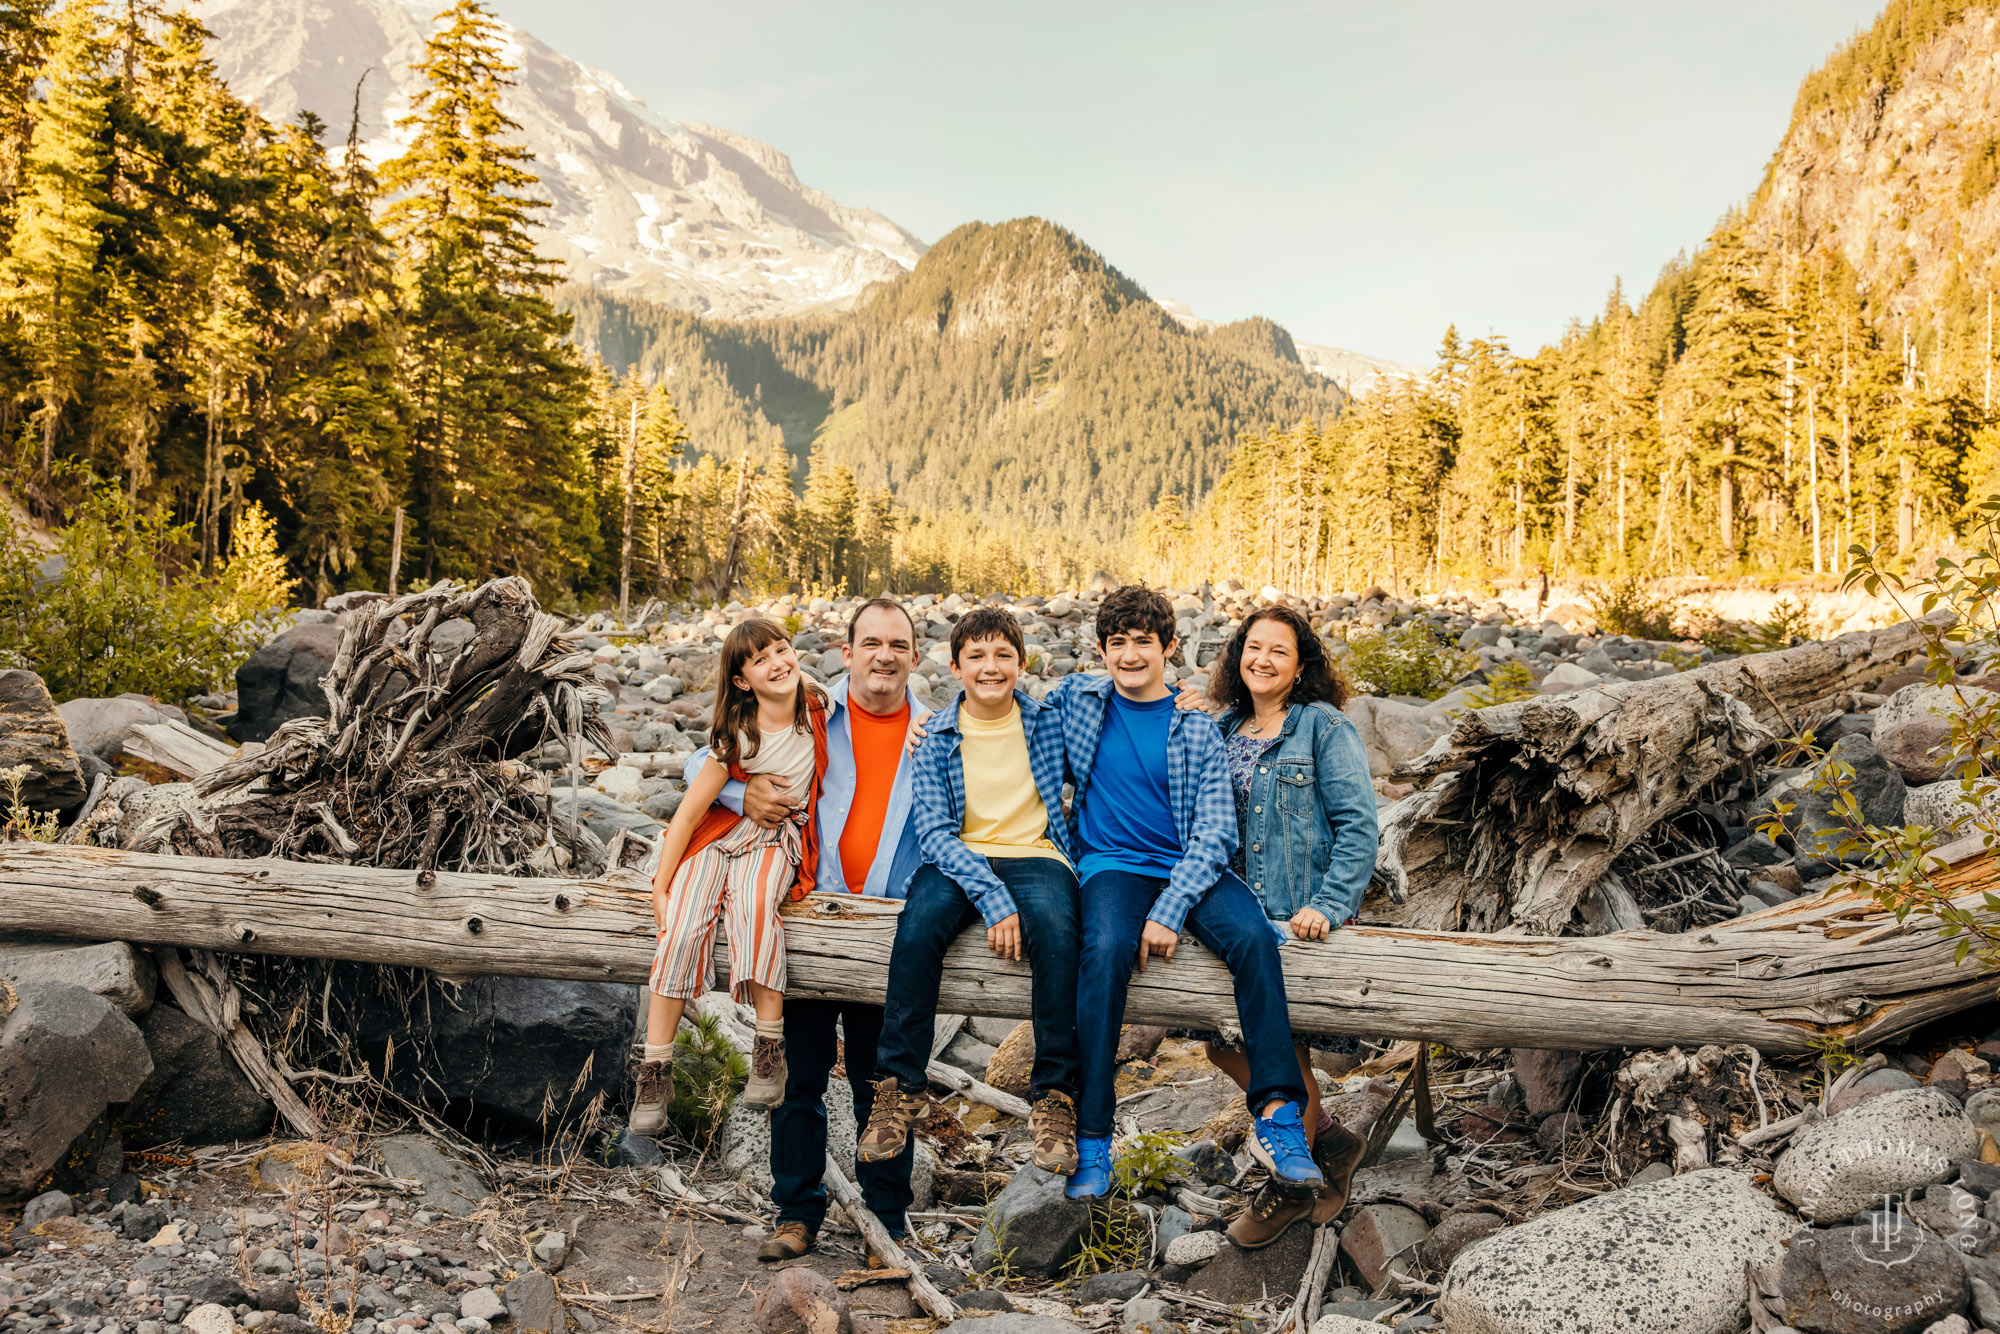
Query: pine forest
[[236, 326]]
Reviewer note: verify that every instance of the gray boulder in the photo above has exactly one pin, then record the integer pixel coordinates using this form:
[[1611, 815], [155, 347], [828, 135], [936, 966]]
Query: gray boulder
[[1938, 804], [744, 1146], [449, 1184], [507, 1046], [100, 726], [604, 815], [114, 970], [1876, 788], [1870, 1280], [32, 733], [534, 1306], [1666, 1258], [280, 682], [799, 1301], [1238, 1276], [66, 1055], [1913, 727], [196, 1094], [1031, 1225], [1887, 1145], [1392, 732]]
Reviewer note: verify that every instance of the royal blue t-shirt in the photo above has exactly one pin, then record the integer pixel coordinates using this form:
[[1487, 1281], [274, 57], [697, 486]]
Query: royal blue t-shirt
[[1127, 821]]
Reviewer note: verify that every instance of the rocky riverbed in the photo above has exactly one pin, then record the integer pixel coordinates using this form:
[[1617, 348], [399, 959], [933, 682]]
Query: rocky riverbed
[[470, 1172]]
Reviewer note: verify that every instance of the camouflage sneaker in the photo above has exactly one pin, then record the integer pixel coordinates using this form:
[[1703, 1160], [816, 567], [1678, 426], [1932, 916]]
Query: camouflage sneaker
[[1271, 1211], [889, 1121], [1338, 1152], [788, 1241], [652, 1090], [1052, 1126], [766, 1087]]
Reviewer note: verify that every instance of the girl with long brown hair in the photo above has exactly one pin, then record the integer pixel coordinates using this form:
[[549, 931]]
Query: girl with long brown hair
[[718, 868]]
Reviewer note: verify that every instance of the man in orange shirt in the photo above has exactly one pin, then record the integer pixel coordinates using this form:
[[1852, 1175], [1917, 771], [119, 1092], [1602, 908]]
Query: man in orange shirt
[[868, 846]]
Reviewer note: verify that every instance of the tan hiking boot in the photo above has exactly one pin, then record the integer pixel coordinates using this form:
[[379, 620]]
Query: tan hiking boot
[[1271, 1211], [889, 1121], [1052, 1125], [787, 1242], [652, 1090], [766, 1087], [1338, 1152]]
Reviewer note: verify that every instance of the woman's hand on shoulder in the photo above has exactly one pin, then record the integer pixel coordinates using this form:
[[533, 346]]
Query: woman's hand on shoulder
[[1311, 924], [1191, 697]]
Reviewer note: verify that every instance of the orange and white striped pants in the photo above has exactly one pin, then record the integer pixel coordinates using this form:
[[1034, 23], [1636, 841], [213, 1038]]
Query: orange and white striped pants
[[738, 881]]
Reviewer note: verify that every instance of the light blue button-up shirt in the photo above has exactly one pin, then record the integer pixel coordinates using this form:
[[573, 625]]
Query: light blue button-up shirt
[[896, 853]]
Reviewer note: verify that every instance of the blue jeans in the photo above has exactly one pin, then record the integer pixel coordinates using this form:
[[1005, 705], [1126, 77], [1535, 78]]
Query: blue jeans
[[1044, 891], [1229, 921], [798, 1124]]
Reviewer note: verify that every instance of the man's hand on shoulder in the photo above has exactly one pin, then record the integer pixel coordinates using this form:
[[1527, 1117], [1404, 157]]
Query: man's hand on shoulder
[[1191, 696], [1157, 940], [915, 736], [767, 801]]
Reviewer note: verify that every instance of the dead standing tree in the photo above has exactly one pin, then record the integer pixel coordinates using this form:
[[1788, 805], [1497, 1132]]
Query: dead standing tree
[[417, 764]]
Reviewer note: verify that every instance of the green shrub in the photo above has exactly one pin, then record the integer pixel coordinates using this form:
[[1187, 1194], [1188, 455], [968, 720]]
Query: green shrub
[[1406, 659], [1510, 681], [129, 613], [1146, 1163], [1627, 607], [708, 1072]]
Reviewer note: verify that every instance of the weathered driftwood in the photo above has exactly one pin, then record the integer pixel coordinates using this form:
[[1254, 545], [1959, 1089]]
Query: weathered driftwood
[[177, 748], [414, 764], [1529, 803], [1826, 967]]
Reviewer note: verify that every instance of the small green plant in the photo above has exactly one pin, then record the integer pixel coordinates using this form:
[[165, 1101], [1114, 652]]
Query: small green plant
[[1001, 1271], [1680, 659], [1903, 869], [22, 824], [1833, 1053], [1406, 659], [708, 1072], [1511, 680], [794, 623], [1116, 1238], [1628, 607], [1146, 1163]]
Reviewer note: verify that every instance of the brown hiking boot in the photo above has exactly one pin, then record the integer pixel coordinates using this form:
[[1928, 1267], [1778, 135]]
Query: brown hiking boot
[[1271, 1211], [1338, 1152], [766, 1086], [889, 1121], [787, 1242], [1052, 1125], [652, 1090]]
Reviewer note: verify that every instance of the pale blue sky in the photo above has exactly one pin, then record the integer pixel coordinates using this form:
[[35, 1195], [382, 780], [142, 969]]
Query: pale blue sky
[[1364, 173]]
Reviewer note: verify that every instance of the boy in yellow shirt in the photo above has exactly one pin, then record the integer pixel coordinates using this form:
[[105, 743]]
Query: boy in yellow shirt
[[987, 811]]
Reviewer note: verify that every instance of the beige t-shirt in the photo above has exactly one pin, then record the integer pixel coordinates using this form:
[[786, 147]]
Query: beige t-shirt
[[787, 754]]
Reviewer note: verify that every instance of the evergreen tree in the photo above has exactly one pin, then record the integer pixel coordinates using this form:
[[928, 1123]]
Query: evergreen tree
[[49, 279]]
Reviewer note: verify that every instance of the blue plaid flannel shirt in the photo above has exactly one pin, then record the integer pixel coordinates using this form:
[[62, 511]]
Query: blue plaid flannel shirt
[[937, 805], [1204, 807]]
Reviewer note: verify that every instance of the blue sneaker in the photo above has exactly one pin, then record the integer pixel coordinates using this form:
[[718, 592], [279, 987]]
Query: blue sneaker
[[1092, 1178], [1279, 1142]]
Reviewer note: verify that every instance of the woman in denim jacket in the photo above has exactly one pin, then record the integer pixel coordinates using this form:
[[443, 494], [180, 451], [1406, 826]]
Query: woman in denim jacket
[[1305, 811]]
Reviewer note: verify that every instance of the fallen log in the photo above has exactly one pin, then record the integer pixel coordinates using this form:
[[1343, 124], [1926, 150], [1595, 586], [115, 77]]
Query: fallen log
[[1529, 803], [1830, 967]]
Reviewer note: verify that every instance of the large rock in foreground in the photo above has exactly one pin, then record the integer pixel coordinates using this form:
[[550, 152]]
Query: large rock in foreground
[[1913, 727], [65, 1056], [508, 1046], [1666, 1258], [196, 1094], [280, 682], [1031, 1225], [114, 970], [32, 733], [1894, 1279], [1886, 1145]]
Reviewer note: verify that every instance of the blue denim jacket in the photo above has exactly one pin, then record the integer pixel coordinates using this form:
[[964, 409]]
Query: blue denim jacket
[[1310, 830]]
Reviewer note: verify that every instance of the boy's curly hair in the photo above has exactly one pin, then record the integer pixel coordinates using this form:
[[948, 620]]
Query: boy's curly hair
[[1133, 609]]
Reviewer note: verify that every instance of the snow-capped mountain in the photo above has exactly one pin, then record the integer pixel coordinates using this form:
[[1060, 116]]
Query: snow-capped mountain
[[679, 212]]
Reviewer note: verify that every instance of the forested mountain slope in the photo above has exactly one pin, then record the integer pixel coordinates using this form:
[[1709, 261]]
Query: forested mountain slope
[[1013, 375]]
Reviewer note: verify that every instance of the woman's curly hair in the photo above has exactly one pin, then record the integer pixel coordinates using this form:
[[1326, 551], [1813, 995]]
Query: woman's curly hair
[[1317, 680]]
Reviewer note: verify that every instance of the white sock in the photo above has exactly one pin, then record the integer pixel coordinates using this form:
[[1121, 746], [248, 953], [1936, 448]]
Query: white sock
[[770, 1028], [658, 1051]]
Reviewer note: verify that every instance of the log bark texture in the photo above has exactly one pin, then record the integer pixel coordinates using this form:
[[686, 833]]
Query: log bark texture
[[1826, 967], [1528, 804]]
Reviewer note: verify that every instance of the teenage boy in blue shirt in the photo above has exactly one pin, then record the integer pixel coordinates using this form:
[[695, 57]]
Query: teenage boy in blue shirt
[[1153, 825]]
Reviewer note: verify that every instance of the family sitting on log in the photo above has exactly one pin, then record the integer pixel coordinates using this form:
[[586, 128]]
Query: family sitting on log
[[1247, 829]]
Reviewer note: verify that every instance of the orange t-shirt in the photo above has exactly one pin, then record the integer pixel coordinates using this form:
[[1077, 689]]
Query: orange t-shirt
[[878, 749]]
